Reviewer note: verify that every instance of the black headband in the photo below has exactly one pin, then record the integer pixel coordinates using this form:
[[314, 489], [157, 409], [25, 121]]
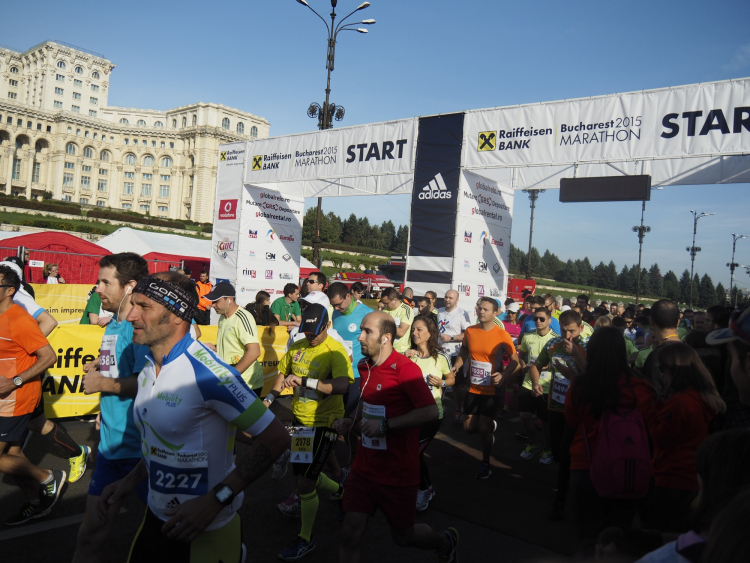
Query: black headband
[[176, 300]]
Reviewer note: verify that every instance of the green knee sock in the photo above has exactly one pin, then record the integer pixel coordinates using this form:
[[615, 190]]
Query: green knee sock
[[309, 510], [326, 484]]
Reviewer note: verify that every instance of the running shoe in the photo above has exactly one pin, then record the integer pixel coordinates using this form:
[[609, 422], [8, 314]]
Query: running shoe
[[546, 457], [522, 436], [423, 500], [458, 417], [432, 492], [291, 507], [28, 512], [78, 464], [530, 451], [281, 465], [338, 495], [297, 549], [484, 471], [50, 492], [450, 555]]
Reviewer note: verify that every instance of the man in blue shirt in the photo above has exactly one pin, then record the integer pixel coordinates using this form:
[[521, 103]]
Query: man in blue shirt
[[528, 324], [114, 375]]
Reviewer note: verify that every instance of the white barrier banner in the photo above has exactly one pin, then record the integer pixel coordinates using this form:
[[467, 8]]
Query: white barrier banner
[[227, 211]]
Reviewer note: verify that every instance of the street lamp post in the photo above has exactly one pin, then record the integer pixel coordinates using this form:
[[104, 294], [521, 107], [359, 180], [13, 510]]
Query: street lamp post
[[732, 265], [329, 111], [641, 230], [533, 196], [693, 250]]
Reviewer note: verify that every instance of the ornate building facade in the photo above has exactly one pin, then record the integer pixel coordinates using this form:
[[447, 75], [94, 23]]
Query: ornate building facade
[[59, 136]]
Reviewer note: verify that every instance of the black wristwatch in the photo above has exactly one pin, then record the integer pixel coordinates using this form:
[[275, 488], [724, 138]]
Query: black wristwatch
[[224, 494], [18, 381]]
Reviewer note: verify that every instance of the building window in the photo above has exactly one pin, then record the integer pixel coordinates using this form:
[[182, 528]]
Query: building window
[[148, 160], [174, 124], [166, 162], [58, 104], [171, 145], [16, 168], [70, 130], [153, 144], [241, 128], [79, 70], [69, 166], [38, 126], [94, 88], [102, 186], [35, 172], [61, 64], [130, 158], [85, 182], [225, 123], [92, 113], [127, 141], [145, 208], [59, 78], [141, 123], [163, 191], [86, 134], [96, 136], [165, 178], [14, 70], [130, 175], [67, 179], [146, 190], [127, 188], [88, 152], [162, 144], [184, 121], [84, 201], [94, 101], [148, 176], [124, 121], [15, 83], [195, 120], [158, 124], [127, 206], [95, 74], [13, 96], [58, 91], [103, 172], [70, 148], [76, 95], [253, 131], [66, 197], [78, 132], [100, 203], [104, 156], [77, 83], [84, 168], [163, 209]]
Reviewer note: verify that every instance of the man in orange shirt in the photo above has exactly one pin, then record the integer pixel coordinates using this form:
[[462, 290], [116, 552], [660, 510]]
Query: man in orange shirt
[[484, 345], [25, 354], [203, 314]]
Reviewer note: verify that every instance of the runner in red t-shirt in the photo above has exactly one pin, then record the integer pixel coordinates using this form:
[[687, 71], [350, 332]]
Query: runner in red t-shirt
[[385, 473]]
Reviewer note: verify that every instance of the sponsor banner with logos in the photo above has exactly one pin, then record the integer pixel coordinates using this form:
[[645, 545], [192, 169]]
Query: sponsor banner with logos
[[661, 127], [335, 162], [65, 302]]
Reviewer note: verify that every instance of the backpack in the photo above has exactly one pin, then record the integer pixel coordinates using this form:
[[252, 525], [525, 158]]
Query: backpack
[[620, 467]]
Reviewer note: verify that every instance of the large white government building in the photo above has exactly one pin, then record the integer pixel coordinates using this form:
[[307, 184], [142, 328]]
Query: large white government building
[[58, 136]]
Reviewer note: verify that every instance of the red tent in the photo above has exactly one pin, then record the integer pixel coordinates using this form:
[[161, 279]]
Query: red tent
[[78, 259]]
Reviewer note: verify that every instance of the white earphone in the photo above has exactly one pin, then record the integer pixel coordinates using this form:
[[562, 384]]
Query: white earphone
[[127, 291]]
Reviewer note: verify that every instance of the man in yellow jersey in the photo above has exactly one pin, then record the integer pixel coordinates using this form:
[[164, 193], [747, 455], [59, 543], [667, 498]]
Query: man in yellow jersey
[[532, 398], [484, 345], [402, 315], [318, 369]]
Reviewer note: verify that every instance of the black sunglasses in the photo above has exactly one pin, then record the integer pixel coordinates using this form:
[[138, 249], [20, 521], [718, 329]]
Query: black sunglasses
[[540, 319], [311, 280]]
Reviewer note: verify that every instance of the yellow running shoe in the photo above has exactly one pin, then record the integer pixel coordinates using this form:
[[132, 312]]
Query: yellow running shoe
[[78, 464]]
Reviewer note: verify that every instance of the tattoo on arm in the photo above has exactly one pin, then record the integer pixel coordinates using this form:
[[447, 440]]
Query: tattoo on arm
[[255, 463]]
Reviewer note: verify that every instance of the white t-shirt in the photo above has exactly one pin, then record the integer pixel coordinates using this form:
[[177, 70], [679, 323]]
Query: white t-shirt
[[52, 279], [452, 323], [25, 300]]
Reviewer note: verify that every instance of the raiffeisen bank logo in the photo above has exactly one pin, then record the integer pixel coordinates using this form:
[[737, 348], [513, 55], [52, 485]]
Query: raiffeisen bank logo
[[435, 189]]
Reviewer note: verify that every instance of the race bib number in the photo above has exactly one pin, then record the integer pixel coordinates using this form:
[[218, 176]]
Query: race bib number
[[176, 477], [558, 389], [303, 439], [108, 353], [481, 373], [370, 412]]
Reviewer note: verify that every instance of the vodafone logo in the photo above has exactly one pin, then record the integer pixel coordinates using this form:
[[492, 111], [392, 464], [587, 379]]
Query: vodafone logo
[[228, 209], [436, 189]]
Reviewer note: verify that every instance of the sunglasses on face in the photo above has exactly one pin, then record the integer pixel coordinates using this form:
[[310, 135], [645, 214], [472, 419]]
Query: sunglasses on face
[[311, 280], [540, 319]]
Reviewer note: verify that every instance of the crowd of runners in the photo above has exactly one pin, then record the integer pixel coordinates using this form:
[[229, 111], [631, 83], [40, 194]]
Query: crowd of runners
[[642, 412]]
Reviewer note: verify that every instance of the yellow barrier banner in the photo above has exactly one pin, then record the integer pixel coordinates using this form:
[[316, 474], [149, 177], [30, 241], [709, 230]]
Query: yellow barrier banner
[[65, 302], [76, 345]]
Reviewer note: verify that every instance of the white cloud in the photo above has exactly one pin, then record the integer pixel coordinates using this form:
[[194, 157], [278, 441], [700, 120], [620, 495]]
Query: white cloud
[[740, 60]]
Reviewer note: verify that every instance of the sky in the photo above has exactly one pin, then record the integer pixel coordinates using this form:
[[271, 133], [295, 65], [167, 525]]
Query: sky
[[438, 56]]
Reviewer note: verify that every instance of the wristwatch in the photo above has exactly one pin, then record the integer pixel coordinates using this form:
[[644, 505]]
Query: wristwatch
[[224, 494], [451, 338], [18, 381]]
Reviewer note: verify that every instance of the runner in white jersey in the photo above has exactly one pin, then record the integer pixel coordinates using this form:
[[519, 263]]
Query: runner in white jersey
[[188, 405], [452, 322]]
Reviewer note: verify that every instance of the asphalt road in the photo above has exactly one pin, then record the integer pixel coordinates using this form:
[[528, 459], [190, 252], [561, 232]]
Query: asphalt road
[[502, 519]]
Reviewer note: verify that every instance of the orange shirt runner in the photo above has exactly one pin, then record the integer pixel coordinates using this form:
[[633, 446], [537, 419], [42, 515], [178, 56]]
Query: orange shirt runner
[[484, 346], [203, 288]]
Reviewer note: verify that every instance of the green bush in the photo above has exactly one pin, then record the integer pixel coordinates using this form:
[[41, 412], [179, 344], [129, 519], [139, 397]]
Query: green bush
[[23, 203], [135, 218]]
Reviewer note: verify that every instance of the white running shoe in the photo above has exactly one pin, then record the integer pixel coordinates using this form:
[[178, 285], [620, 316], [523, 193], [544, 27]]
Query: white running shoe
[[281, 465]]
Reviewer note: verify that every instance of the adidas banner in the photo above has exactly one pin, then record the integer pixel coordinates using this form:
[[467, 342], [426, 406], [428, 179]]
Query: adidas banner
[[433, 203]]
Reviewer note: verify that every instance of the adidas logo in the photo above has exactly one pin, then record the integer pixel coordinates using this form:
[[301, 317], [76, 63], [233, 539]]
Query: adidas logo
[[393, 366], [435, 189], [172, 503]]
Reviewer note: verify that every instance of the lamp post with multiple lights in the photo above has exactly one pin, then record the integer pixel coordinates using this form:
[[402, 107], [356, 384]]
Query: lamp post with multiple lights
[[693, 250], [732, 265]]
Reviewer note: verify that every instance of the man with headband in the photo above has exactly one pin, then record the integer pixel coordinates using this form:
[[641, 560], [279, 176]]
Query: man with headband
[[188, 405]]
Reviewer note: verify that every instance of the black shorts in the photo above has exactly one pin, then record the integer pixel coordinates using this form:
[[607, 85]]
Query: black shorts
[[14, 428], [223, 544], [322, 446], [527, 402], [483, 405]]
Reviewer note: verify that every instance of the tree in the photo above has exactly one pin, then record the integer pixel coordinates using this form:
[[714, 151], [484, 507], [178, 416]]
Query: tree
[[350, 230], [721, 294], [696, 287], [585, 271], [672, 286], [611, 275], [402, 240], [330, 228], [517, 259], [537, 267], [685, 286], [656, 282], [552, 264], [706, 292], [389, 234]]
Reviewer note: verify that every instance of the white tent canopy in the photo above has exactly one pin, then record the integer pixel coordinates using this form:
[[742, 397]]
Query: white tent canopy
[[142, 242]]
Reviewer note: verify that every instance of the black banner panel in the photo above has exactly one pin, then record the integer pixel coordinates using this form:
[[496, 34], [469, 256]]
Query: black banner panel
[[605, 188]]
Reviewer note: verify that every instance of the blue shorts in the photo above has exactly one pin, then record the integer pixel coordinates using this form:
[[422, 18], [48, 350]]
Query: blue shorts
[[108, 471]]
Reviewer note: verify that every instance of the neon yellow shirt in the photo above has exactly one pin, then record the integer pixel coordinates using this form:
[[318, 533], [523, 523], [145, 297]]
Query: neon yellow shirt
[[402, 314], [234, 333], [325, 361], [532, 344], [438, 367], [640, 360]]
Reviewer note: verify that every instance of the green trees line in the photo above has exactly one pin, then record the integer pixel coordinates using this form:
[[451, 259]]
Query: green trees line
[[356, 231]]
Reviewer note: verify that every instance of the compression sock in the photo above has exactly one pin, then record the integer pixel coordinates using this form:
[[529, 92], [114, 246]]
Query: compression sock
[[309, 510], [327, 485], [64, 444]]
